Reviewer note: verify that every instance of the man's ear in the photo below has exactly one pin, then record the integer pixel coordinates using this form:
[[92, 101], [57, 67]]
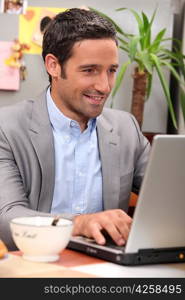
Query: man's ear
[[52, 66]]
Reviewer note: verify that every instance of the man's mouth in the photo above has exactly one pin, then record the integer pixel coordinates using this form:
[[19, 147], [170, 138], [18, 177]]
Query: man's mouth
[[95, 99]]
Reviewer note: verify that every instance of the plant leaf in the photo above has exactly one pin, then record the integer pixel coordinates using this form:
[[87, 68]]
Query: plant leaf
[[120, 77], [139, 21], [145, 21], [149, 86], [171, 55], [147, 31], [124, 45], [157, 41], [165, 88], [123, 41], [174, 72], [124, 48], [133, 47], [146, 61], [122, 8], [182, 102], [117, 27], [153, 17]]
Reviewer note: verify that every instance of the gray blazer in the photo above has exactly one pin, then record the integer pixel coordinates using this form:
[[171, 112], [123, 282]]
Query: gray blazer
[[27, 164]]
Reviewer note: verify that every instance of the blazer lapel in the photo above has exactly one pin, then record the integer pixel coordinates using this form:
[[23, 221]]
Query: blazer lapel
[[109, 155], [42, 139]]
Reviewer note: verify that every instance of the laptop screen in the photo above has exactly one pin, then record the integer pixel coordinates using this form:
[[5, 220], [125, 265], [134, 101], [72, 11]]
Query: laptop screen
[[159, 216]]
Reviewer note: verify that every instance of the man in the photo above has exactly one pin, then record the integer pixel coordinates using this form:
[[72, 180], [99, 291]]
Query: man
[[63, 153]]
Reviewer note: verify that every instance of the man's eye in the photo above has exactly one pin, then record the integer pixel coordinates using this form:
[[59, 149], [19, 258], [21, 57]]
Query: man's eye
[[113, 70], [88, 70]]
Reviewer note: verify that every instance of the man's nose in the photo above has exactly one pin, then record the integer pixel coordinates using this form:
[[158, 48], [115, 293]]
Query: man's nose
[[103, 84]]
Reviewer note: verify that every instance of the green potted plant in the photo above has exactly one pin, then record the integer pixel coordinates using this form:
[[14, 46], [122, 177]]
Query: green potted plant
[[149, 55]]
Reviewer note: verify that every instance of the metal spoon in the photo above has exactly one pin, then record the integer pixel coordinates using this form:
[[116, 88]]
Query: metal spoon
[[55, 221]]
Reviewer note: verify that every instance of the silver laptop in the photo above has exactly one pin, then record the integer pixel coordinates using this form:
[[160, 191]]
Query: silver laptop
[[158, 230]]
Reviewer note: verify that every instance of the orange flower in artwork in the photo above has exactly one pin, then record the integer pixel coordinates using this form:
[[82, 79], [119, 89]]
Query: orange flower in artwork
[[15, 59]]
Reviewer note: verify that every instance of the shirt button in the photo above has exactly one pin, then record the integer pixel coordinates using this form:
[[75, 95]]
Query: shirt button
[[73, 124]]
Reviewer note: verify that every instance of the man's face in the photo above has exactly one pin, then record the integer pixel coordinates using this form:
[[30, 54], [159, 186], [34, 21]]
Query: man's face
[[89, 78]]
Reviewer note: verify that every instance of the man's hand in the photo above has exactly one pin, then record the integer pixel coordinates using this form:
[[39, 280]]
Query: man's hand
[[115, 222]]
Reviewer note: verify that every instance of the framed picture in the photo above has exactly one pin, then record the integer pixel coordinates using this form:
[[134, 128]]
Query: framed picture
[[15, 7]]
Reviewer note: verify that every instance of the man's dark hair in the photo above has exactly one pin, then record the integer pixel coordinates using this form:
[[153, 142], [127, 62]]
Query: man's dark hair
[[71, 26]]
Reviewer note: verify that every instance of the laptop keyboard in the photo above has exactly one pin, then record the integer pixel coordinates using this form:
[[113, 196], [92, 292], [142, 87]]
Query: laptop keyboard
[[111, 244]]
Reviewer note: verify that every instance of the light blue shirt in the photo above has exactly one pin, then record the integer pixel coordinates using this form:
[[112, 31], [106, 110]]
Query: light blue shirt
[[78, 175]]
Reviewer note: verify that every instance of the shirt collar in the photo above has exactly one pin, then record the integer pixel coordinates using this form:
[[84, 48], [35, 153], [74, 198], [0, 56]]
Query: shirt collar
[[59, 121]]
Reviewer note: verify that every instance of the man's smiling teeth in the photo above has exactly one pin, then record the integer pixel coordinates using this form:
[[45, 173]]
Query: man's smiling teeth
[[97, 98]]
